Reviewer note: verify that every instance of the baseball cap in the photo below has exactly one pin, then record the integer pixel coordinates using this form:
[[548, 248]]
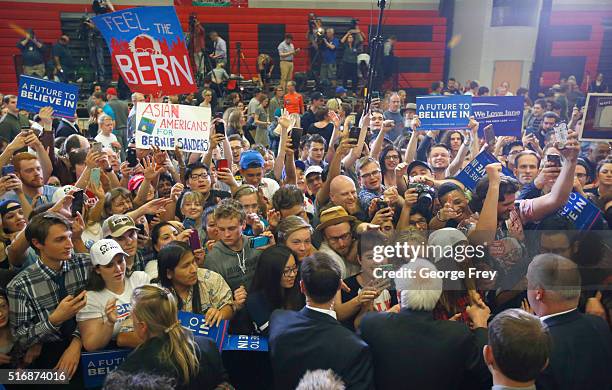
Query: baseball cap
[[409, 106], [251, 159], [103, 251], [313, 169], [316, 96], [63, 191], [117, 224], [299, 164], [111, 91], [417, 163], [340, 90]]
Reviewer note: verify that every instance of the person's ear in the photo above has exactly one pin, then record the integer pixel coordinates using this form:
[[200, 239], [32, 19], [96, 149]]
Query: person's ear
[[545, 364], [487, 354], [169, 274], [37, 244], [302, 287]]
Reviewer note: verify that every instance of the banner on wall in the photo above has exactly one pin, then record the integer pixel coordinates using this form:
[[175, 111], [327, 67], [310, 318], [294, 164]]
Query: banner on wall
[[475, 170], [505, 113], [597, 121], [35, 93], [444, 112], [148, 47], [166, 125]]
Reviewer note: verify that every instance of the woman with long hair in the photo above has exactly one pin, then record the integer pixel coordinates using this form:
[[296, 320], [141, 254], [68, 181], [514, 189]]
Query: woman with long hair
[[262, 121], [168, 348], [92, 128], [323, 124], [453, 140], [163, 234], [390, 158], [274, 286], [197, 290], [106, 316]]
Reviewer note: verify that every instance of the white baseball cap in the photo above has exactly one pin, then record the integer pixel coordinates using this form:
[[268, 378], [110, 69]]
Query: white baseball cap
[[313, 169], [104, 251]]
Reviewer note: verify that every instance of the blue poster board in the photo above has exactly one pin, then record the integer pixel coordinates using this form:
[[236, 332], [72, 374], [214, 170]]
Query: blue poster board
[[581, 211], [444, 112], [195, 323], [96, 365], [240, 342], [35, 93], [505, 113], [475, 170]]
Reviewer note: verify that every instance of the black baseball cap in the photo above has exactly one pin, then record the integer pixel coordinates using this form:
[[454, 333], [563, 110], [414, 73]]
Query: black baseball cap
[[316, 96], [418, 163]]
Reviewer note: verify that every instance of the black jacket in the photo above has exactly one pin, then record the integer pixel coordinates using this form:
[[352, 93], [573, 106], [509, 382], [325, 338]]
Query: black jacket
[[145, 359], [581, 356], [410, 348], [311, 340]]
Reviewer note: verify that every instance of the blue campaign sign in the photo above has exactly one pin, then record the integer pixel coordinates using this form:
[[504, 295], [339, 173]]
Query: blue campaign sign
[[475, 170], [96, 365], [444, 112], [195, 323], [581, 211], [148, 47], [505, 113], [241, 342], [35, 93]]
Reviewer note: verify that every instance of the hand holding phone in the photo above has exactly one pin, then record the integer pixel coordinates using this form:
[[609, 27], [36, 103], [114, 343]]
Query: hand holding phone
[[259, 241], [8, 170], [221, 164]]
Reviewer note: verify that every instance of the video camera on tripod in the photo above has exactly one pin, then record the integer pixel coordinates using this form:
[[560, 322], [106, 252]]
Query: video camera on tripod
[[316, 27]]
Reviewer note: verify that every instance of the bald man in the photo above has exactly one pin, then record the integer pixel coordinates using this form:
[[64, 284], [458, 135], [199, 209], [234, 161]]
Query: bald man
[[582, 346]]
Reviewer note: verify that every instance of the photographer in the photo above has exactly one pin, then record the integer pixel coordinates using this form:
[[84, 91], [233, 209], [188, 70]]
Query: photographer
[[328, 65]]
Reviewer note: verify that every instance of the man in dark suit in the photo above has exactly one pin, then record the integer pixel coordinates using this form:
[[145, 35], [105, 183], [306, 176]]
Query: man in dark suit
[[312, 338], [581, 343], [67, 127], [411, 349]]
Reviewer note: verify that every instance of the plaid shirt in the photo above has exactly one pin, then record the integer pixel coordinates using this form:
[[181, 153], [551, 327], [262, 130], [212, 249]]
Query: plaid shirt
[[34, 294]]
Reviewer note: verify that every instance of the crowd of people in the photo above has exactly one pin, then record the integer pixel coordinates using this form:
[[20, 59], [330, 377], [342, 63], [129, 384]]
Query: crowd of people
[[275, 229], [278, 229]]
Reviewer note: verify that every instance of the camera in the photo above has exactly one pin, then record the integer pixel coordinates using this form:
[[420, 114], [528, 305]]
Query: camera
[[425, 195]]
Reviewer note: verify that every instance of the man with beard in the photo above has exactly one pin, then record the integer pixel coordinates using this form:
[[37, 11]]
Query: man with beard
[[29, 171], [336, 227]]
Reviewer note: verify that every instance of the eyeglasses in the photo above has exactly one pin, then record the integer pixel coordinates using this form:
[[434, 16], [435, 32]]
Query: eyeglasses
[[290, 271], [200, 176], [368, 175], [392, 157], [344, 237]]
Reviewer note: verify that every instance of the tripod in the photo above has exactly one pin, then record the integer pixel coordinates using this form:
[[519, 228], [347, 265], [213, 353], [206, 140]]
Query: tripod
[[237, 62], [375, 49], [204, 66]]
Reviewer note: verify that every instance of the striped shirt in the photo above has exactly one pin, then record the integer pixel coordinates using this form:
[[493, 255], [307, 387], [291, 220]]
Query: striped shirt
[[35, 293]]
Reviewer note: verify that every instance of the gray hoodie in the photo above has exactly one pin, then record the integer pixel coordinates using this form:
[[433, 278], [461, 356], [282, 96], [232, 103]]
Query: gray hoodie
[[224, 261]]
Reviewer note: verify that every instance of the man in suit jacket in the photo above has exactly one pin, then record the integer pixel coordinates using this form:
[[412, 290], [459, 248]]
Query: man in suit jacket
[[412, 349], [312, 338], [581, 343], [518, 350], [66, 128]]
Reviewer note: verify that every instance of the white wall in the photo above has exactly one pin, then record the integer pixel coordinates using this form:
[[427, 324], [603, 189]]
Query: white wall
[[345, 4], [481, 45]]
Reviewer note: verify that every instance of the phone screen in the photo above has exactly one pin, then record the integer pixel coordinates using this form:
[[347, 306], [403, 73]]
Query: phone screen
[[94, 177], [354, 132], [259, 241], [489, 135], [220, 128], [131, 157], [7, 170], [296, 136], [77, 203]]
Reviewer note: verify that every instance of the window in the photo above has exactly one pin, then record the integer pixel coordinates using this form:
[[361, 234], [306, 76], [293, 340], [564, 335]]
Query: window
[[514, 13]]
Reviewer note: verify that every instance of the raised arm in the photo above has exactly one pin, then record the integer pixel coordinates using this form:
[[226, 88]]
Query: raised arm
[[559, 193], [349, 161], [334, 169], [487, 222], [378, 142]]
